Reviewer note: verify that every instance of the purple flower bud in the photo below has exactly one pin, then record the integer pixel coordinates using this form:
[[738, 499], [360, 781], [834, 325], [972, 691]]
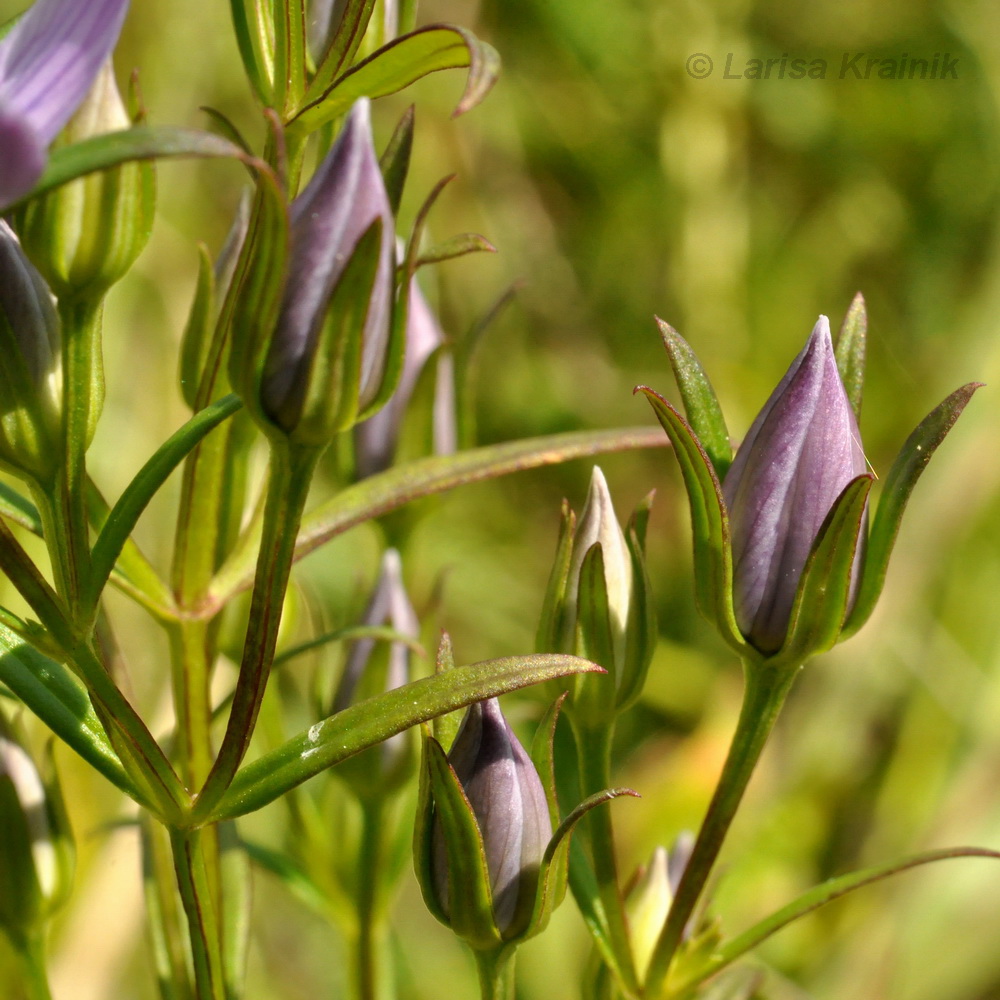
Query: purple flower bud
[[47, 64], [343, 199], [508, 801], [799, 455], [376, 438]]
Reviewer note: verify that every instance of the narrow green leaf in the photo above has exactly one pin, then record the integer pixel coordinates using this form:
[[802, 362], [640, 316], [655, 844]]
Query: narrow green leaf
[[470, 901], [379, 494], [197, 336], [395, 161], [401, 62], [906, 470], [816, 897], [701, 405], [141, 490], [824, 589], [713, 558], [549, 635], [140, 143], [456, 246], [370, 722], [850, 351], [51, 693], [19, 509]]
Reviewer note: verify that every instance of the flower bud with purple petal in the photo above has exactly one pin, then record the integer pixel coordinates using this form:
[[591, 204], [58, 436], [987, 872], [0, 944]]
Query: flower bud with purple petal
[[48, 61], [30, 369], [377, 438], [373, 667], [327, 357], [508, 801], [801, 452]]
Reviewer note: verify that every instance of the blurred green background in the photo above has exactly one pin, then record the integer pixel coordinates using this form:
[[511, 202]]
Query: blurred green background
[[618, 186]]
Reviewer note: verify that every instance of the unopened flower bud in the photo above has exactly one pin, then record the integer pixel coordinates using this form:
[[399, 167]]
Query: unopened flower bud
[[375, 666], [798, 456], [85, 235], [599, 605], [376, 439], [508, 801], [30, 379], [326, 360]]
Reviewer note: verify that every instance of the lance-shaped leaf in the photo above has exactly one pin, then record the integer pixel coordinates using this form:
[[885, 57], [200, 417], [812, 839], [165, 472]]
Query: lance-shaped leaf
[[729, 951], [701, 405], [402, 62], [709, 524], [140, 143], [850, 351], [340, 736], [906, 470], [423, 477], [52, 694]]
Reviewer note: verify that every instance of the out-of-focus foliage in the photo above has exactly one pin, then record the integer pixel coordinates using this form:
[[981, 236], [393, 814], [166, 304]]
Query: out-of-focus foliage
[[616, 186]]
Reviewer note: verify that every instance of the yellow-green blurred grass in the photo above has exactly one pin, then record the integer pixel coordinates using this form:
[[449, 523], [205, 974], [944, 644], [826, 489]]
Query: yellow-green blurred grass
[[616, 186]]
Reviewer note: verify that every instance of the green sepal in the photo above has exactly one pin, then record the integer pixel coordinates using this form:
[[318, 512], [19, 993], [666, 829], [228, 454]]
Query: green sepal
[[593, 699], [823, 595], [342, 46], [456, 246], [641, 628], [197, 337], [255, 41], [396, 65], [555, 862], [445, 727], [51, 693], [543, 756], [253, 301], [289, 33], [395, 160], [328, 402], [701, 405], [470, 900], [338, 737], [550, 624], [850, 352], [906, 470], [713, 557]]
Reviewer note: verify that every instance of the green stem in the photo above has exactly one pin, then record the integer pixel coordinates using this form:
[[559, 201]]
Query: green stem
[[202, 912], [288, 487], [593, 747], [764, 694], [369, 929], [83, 397], [496, 973]]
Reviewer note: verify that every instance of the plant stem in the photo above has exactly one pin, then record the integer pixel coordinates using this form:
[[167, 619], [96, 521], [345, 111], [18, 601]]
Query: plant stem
[[764, 694], [288, 487], [369, 928], [202, 911], [593, 745], [496, 973]]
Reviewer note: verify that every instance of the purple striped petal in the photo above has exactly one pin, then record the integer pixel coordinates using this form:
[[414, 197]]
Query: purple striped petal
[[802, 450], [48, 62]]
